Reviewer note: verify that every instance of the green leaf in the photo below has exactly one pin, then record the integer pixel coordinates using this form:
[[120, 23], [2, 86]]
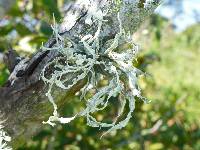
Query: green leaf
[[3, 74], [6, 29], [45, 28], [15, 11], [52, 8], [38, 40], [22, 29]]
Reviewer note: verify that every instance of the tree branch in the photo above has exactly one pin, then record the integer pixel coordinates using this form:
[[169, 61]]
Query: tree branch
[[23, 102]]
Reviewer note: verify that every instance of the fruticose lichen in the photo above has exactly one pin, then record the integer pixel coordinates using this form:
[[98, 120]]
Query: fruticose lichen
[[4, 138], [81, 58]]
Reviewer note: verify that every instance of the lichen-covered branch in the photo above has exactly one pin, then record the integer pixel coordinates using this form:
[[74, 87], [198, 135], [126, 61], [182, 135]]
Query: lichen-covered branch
[[90, 27]]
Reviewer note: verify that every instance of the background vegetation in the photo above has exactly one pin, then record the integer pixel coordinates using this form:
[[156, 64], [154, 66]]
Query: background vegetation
[[170, 60]]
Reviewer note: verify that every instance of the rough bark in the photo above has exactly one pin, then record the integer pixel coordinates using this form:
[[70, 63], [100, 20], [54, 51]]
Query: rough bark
[[23, 103]]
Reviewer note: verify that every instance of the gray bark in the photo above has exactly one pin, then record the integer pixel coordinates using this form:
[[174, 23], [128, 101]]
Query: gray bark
[[23, 102]]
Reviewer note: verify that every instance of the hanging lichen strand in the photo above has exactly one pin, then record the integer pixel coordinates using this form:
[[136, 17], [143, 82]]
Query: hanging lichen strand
[[80, 58]]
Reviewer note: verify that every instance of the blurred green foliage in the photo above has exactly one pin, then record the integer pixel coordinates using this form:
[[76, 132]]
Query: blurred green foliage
[[171, 62]]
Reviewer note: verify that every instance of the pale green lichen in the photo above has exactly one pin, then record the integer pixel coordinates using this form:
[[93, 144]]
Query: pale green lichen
[[4, 138], [119, 70]]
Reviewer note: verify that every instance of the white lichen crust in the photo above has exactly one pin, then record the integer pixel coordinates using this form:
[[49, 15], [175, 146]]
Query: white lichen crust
[[82, 57]]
